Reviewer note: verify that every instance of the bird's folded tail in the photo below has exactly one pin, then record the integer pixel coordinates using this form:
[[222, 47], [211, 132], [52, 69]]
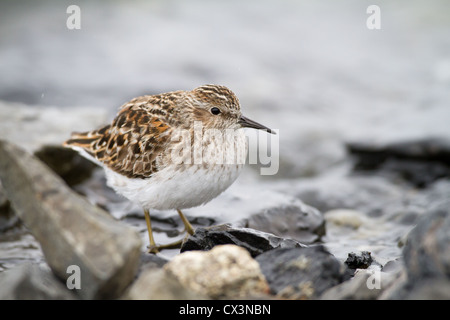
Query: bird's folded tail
[[89, 143]]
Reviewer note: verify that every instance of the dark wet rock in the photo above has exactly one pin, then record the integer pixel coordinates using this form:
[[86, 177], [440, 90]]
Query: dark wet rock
[[419, 162], [66, 163], [256, 242], [31, 282], [226, 271], [8, 219], [297, 221], [4, 202], [69, 229], [362, 261], [301, 273], [156, 284]]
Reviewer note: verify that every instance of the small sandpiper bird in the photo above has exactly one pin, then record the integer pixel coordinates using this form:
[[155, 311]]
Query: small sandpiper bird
[[174, 150]]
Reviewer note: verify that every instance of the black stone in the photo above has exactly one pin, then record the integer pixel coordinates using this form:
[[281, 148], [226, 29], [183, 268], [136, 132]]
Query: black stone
[[256, 242], [362, 261]]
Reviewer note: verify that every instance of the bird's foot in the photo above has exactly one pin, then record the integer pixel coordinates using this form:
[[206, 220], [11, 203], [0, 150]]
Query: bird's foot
[[153, 249], [173, 245]]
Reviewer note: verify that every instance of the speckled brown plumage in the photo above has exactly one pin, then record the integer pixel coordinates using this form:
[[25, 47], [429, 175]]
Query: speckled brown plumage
[[133, 143]]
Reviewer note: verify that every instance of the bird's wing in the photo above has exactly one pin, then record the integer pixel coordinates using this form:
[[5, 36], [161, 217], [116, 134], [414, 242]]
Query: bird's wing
[[131, 144]]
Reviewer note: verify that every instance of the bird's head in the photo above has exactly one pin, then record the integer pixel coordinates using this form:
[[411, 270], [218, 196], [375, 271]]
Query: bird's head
[[218, 107]]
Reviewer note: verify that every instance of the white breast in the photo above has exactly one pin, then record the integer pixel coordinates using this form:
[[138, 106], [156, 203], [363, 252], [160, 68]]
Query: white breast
[[184, 185]]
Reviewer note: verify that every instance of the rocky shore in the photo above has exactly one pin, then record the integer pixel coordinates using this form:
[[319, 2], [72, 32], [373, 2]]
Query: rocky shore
[[286, 251]]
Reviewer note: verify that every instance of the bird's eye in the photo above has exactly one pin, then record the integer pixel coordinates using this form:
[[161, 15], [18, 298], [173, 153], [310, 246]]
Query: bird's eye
[[215, 111]]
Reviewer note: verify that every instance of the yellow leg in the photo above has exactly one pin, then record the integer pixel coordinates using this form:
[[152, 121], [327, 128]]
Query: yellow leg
[[152, 248], [187, 226]]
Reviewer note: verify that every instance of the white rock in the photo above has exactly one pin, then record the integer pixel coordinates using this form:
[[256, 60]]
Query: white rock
[[345, 218], [226, 271]]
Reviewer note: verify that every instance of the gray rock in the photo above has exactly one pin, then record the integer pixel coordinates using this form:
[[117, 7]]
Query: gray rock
[[226, 271], [298, 221], [397, 286], [301, 273], [424, 289], [393, 266], [69, 229], [427, 250], [30, 282], [156, 284], [427, 259], [254, 241], [428, 289], [365, 285]]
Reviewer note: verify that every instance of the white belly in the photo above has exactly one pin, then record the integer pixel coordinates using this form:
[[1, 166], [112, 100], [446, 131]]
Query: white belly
[[175, 188]]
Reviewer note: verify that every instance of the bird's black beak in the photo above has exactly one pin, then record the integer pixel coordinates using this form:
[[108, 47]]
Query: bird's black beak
[[247, 123]]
